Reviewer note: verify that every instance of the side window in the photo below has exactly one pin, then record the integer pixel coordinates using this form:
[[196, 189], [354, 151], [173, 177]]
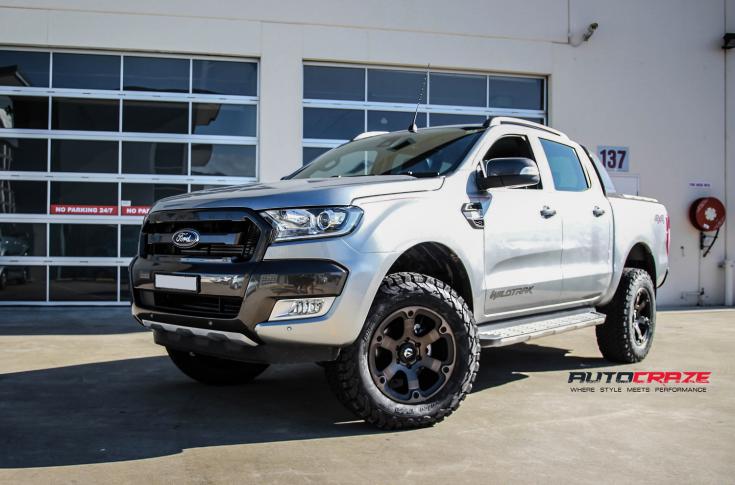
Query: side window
[[513, 146], [565, 166]]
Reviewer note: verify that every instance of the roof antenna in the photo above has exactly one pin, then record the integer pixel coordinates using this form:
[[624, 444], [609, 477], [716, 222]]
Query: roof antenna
[[412, 127]]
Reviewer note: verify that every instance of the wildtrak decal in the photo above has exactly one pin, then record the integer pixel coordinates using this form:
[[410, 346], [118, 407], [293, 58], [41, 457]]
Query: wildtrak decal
[[521, 290]]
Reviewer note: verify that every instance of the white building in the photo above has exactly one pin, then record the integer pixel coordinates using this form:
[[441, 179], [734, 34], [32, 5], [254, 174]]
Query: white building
[[106, 106]]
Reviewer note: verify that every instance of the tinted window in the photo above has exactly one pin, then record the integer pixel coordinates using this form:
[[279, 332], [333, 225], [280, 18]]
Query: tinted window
[[24, 283], [440, 119], [393, 120], [223, 119], [228, 160], [155, 74], [24, 112], [154, 158], [311, 153], [518, 93], [86, 71], [565, 166], [335, 124], [343, 83], [85, 114], [458, 89], [124, 284], [82, 283], [395, 86], [225, 77], [138, 195], [83, 198], [82, 240], [129, 237], [155, 117], [23, 154], [23, 197], [22, 68], [21, 239], [84, 156]]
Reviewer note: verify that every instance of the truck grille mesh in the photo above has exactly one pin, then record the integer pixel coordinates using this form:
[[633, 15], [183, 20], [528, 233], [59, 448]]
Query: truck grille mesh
[[218, 239], [190, 304]]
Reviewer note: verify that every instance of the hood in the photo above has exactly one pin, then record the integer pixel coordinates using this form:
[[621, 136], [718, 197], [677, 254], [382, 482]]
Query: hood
[[299, 192]]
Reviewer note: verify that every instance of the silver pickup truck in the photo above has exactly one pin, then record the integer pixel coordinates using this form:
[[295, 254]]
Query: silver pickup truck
[[392, 259]]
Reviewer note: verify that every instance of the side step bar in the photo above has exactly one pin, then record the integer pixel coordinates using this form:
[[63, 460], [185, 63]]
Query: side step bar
[[526, 328]]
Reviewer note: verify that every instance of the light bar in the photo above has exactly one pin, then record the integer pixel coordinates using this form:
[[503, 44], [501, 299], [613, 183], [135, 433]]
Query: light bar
[[301, 308]]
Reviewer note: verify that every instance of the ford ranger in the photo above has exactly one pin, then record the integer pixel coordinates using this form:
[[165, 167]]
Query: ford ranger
[[394, 258]]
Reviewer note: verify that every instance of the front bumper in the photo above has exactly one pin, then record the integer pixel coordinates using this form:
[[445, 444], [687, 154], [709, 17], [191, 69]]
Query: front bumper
[[233, 298]]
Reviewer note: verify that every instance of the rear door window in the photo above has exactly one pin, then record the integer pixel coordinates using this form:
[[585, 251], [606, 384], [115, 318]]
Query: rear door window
[[566, 169]]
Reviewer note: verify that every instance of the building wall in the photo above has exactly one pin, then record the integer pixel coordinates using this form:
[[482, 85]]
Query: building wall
[[652, 77]]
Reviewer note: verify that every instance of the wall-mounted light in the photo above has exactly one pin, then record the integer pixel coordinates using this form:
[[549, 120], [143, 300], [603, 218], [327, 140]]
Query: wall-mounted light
[[728, 41], [585, 37]]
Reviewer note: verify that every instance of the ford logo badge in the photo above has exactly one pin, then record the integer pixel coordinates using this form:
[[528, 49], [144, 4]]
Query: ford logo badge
[[185, 238]]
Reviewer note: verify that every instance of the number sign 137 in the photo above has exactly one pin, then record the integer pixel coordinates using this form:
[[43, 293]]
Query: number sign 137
[[614, 159]]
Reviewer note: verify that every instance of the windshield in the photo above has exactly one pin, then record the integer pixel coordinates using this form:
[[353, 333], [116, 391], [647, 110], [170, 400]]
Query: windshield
[[428, 153]]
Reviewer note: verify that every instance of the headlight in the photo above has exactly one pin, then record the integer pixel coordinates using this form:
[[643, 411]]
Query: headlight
[[312, 222]]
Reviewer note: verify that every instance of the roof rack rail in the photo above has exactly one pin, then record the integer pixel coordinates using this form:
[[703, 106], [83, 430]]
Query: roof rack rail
[[506, 120], [368, 134]]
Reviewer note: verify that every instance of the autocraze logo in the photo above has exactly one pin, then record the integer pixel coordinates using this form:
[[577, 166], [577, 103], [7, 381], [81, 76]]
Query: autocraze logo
[[521, 290], [640, 381]]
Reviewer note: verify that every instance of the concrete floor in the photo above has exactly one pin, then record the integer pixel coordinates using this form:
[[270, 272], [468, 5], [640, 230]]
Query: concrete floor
[[100, 403]]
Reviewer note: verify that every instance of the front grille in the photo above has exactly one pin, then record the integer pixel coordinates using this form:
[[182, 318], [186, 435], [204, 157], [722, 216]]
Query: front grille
[[219, 239], [188, 304]]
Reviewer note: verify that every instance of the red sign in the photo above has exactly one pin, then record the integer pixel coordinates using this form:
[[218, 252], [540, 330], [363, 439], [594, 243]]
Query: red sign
[[88, 210], [135, 210]]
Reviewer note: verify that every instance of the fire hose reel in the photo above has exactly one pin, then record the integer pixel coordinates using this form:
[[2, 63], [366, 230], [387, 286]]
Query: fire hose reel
[[707, 214]]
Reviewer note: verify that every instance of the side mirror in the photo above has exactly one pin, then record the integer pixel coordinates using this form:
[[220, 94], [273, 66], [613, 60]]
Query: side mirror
[[508, 172]]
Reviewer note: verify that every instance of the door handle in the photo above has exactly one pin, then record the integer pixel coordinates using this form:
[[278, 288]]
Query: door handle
[[597, 211], [547, 212]]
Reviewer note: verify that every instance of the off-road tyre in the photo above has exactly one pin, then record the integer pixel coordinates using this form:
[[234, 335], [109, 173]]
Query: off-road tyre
[[350, 375], [617, 338], [213, 370]]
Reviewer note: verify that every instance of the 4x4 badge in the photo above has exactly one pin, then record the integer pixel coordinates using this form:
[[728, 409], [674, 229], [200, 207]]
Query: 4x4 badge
[[185, 238]]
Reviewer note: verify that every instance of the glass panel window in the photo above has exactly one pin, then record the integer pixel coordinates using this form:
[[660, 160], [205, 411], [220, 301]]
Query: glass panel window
[[23, 197], [566, 168], [84, 156], [516, 92], [83, 198], [154, 158], [22, 239], [155, 117], [23, 154], [83, 240], [86, 71], [137, 199], [227, 160], [155, 74], [22, 283], [393, 120], [440, 119], [334, 124], [85, 114], [392, 86], [311, 153], [326, 82], [24, 68], [129, 237], [124, 284], [223, 119], [29, 112], [83, 283], [225, 77], [458, 89]]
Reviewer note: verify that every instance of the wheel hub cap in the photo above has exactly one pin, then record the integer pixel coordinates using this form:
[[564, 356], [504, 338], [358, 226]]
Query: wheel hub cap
[[408, 353]]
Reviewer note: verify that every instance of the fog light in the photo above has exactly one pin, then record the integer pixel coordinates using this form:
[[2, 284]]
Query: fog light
[[301, 308]]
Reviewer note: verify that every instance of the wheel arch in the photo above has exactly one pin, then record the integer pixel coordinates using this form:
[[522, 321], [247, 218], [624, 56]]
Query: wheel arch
[[640, 256], [439, 261]]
